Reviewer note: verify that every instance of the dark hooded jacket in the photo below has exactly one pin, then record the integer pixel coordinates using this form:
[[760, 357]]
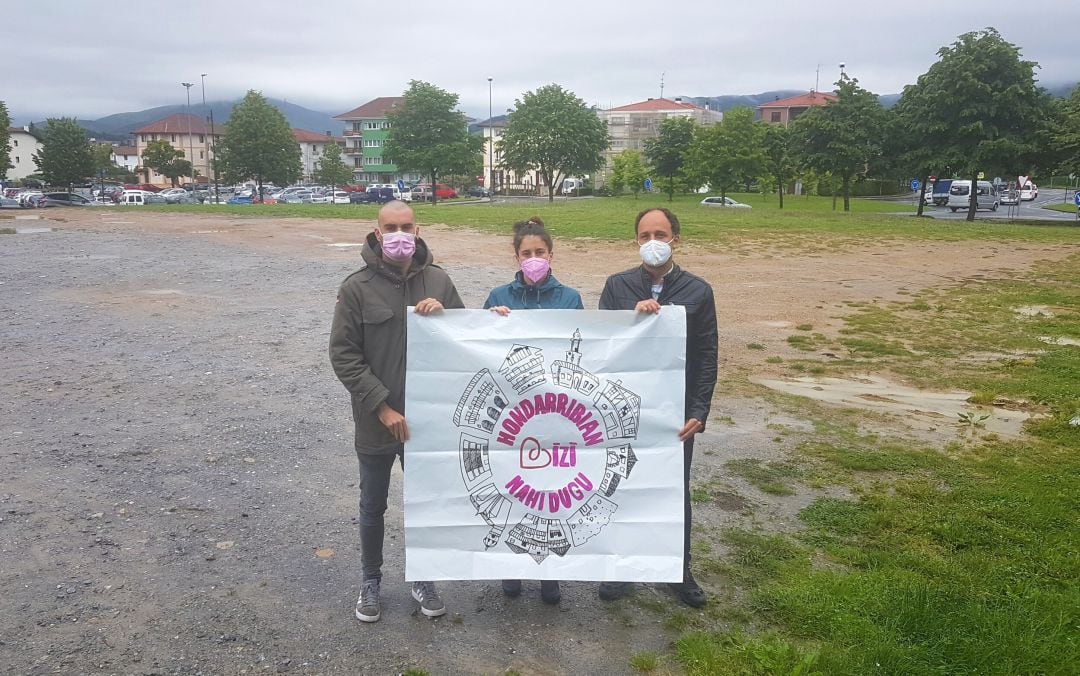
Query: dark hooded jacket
[[367, 339], [548, 295], [624, 290]]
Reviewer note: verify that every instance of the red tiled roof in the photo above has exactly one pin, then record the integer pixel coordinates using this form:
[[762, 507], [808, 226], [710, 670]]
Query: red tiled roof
[[177, 124], [802, 100], [305, 136], [374, 108], [125, 150], [655, 105]]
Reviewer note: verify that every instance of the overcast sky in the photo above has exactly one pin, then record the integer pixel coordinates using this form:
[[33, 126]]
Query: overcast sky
[[94, 59]]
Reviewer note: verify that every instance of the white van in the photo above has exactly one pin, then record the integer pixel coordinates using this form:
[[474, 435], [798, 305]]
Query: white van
[[133, 198], [960, 196]]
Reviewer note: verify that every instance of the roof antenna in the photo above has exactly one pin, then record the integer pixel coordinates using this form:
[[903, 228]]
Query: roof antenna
[[817, 78], [661, 85]]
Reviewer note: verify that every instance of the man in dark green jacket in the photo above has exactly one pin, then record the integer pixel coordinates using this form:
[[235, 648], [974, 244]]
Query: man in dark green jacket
[[367, 350], [657, 282]]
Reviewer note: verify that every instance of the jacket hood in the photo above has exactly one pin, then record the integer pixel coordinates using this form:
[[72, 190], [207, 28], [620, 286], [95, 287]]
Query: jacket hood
[[372, 255]]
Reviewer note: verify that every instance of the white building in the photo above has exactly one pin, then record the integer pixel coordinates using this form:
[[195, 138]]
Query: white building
[[188, 134], [126, 157], [504, 180], [22, 146], [312, 148]]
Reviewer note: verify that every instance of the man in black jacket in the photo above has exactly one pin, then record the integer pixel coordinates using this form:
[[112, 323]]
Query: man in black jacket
[[658, 281]]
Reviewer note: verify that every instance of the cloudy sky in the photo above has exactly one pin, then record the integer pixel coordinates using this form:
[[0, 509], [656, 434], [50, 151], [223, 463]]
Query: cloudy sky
[[94, 59]]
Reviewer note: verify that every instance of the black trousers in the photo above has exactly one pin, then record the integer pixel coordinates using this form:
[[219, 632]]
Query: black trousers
[[688, 457], [374, 487]]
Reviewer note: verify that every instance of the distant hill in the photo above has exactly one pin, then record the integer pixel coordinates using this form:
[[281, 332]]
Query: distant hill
[[118, 127]]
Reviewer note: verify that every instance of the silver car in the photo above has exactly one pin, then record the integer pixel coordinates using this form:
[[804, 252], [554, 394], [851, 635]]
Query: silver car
[[724, 202]]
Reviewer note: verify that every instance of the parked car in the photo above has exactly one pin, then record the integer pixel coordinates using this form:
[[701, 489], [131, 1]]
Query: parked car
[[1029, 192], [64, 199], [422, 192], [298, 197], [1009, 196], [29, 198], [373, 196], [146, 187], [960, 196], [477, 191], [8, 203], [723, 202]]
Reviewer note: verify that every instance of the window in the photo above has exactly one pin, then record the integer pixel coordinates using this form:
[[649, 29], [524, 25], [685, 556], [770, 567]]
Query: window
[[774, 116], [201, 155], [358, 162], [174, 138], [15, 142], [202, 138]]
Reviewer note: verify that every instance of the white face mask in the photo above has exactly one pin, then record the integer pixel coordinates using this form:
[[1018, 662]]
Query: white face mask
[[655, 253]]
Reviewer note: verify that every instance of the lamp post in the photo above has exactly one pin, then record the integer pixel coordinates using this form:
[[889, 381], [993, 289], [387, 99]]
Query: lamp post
[[206, 152], [491, 149], [191, 145]]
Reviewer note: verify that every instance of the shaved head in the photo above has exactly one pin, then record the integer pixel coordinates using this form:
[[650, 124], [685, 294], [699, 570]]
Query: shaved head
[[396, 213]]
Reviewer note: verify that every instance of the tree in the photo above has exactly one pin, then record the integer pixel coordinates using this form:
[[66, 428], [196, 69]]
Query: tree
[[553, 132], [980, 107], [667, 151], [429, 136], [1066, 135], [65, 157], [728, 154], [843, 137], [166, 160], [258, 143], [628, 171], [331, 170], [5, 141], [778, 163]]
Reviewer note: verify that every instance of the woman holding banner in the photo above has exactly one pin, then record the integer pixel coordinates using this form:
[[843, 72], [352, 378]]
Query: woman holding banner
[[533, 288]]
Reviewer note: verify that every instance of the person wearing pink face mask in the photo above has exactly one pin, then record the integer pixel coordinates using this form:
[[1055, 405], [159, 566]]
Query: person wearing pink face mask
[[533, 288], [367, 351]]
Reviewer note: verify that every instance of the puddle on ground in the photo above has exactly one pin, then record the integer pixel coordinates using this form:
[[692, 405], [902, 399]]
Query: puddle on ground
[[164, 292], [1060, 340], [922, 409], [120, 222], [31, 231], [1033, 311], [28, 217], [345, 245], [777, 325]]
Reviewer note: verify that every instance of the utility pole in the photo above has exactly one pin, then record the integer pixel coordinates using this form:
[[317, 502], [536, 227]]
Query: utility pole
[[206, 150], [491, 149], [191, 145], [662, 85]]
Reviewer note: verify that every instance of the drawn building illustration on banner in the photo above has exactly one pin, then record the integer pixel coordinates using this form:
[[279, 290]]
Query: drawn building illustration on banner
[[569, 441]]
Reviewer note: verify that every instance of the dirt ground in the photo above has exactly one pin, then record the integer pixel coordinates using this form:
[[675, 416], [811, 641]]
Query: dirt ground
[[179, 485]]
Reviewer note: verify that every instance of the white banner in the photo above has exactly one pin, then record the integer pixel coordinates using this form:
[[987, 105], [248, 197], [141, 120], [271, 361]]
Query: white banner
[[544, 445]]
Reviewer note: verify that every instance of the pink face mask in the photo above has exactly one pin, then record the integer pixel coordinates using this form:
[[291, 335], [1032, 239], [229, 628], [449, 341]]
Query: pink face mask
[[398, 246], [535, 269]]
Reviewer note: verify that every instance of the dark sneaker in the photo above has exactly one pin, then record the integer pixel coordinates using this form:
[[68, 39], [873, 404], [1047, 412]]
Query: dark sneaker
[[367, 606], [512, 588], [549, 592], [610, 591], [428, 598], [689, 592]]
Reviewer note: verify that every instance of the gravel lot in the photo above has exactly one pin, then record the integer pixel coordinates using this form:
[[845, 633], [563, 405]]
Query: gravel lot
[[179, 485]]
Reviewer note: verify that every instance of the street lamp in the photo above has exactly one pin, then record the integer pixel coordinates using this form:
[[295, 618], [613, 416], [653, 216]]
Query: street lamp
[[491, 149], [206, 152], [191, 145]]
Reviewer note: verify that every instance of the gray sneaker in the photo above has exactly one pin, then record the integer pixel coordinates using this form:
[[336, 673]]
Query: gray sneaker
[[428, 598], [367, 606]]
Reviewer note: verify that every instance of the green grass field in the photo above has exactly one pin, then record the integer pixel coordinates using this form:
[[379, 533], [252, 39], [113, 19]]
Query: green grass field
[[802, 220], [957, 559]]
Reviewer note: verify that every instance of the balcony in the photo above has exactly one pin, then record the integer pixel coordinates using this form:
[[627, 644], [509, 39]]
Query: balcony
[[352, 132], [353, 150]]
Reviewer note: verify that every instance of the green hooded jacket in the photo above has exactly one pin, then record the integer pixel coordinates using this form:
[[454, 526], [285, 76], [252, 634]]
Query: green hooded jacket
[[367, 339]]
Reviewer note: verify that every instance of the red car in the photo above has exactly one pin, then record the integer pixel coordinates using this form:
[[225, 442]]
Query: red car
[[148, 187]]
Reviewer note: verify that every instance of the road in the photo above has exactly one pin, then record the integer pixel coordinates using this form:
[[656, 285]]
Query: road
[[1026, 211]]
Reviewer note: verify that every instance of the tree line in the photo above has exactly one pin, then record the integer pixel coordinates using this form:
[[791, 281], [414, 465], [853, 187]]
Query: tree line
[[978, 109]]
